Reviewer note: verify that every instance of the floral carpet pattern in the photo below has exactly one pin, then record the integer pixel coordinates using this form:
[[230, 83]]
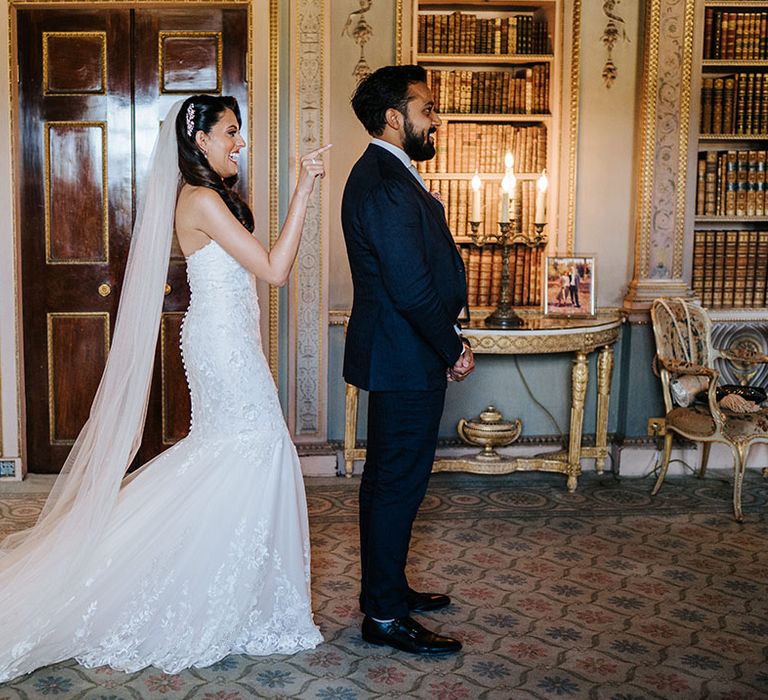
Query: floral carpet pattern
[[604, 593]]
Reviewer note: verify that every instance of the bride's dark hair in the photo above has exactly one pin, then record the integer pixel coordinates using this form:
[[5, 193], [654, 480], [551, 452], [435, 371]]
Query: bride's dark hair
[[194, 167]]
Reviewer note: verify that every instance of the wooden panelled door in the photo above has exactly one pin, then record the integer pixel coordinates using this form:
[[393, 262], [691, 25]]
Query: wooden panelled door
[[94, 85]]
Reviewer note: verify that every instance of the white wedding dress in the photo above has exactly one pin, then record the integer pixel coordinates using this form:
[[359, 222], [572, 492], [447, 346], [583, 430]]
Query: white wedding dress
[[206, 552]]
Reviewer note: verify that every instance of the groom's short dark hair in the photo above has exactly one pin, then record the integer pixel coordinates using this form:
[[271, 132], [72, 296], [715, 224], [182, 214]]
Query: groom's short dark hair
[[383, 89]]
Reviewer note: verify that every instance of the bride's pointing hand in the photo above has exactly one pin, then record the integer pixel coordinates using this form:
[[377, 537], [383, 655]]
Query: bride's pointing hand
[[311, 167]]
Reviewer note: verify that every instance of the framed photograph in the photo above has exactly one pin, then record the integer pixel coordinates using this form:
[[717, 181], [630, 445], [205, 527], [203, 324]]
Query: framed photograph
[[569, 285]]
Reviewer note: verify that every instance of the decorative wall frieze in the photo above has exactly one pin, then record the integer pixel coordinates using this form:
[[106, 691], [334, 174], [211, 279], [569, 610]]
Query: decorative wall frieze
[[662, 146], [309, 286]]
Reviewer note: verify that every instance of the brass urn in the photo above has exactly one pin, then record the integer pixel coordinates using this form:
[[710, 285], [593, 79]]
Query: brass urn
[[489, 430]]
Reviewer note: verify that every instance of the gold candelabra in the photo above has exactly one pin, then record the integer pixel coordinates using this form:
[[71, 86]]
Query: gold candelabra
[[509, 234]]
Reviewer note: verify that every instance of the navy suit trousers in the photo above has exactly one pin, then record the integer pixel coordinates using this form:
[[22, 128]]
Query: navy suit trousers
[[402, 438]]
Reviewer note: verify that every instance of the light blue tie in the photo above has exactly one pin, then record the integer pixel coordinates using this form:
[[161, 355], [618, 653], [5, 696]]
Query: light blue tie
[[412, 169]]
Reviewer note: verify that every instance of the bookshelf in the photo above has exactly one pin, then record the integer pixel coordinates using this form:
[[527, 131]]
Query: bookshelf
[[493, 69], [729, 264]]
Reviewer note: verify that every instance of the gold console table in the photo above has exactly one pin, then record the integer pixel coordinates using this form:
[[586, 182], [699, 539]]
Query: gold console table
[[539, 335]]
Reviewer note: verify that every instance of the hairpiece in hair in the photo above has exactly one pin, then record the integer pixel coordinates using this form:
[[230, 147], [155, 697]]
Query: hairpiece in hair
[[190, 118]]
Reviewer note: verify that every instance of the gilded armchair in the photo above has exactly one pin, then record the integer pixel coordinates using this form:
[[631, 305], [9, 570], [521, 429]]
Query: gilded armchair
[[682, 331]]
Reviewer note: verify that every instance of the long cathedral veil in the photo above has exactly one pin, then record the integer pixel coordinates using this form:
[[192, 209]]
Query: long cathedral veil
[[37, 562]]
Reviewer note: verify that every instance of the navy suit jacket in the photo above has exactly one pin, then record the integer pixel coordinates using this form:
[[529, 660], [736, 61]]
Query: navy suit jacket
[[408, 278]]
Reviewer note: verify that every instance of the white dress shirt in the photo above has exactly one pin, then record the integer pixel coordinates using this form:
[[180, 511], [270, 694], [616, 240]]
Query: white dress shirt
[[402, 156]]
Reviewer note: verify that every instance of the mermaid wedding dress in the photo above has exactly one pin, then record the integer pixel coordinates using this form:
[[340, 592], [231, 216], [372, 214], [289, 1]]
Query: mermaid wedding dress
[[206, 551]]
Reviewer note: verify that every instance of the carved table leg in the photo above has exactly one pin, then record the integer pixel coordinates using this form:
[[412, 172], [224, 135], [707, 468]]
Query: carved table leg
[[579, 378], [350, 429], [604, 372]]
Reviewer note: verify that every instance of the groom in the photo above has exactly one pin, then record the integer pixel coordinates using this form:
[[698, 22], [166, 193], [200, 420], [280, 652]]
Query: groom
[[402, 341]]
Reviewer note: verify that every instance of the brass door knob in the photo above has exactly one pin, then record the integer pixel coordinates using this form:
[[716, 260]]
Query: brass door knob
[[167, 289], [104, 289]]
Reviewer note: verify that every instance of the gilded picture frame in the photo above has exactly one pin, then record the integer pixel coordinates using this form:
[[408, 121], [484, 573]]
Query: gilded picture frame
[[569, 285]]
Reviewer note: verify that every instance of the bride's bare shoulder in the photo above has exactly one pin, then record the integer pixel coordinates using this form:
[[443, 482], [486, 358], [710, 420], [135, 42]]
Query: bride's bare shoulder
[[190, 224], [194, 200], [194, 195]]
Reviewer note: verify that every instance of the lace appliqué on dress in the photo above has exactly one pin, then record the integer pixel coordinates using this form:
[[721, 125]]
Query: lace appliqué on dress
[[207, 550]]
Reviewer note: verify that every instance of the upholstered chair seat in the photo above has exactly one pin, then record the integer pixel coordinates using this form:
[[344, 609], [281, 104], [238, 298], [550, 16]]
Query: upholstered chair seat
[[697, 421]]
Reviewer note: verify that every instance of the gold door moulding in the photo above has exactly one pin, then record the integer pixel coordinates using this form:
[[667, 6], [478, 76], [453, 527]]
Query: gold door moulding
[[51, 316], [104, 193], [102, 36], [573, 128], [648, 131], [274, 180], [163, 35]]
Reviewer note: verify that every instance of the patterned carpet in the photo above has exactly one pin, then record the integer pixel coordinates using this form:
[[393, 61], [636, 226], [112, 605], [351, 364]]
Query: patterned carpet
[[602, 594]]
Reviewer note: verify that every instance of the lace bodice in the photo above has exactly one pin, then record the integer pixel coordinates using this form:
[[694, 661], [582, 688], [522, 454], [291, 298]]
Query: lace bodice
[[230, 382]]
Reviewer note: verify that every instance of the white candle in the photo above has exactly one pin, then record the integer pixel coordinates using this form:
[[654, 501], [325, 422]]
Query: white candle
[[541, 199], [476, 185], [512, 184], [504, 202]]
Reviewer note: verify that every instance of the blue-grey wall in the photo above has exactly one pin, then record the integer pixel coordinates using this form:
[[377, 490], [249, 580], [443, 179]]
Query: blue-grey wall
[[498, 380], [639, 389]]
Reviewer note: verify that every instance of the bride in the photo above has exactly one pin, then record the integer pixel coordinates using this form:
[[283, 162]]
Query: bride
[[204, 551]]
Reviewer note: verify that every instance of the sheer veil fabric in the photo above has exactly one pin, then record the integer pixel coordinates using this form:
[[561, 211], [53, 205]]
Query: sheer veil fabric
[[36, 564]]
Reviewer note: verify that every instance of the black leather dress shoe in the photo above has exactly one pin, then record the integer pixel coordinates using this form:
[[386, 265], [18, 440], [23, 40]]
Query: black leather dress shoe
[[408, 635], [424, 602]]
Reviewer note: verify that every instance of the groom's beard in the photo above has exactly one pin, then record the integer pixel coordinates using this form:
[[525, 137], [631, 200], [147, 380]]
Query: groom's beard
[[417, 145]]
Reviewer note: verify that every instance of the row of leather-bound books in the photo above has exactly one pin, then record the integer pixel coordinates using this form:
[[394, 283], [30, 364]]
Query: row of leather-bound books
[[732, 183], [466, 147], [730, 268], [735, 104], [735, 35], [514, 91], [465, 33], [483, 268], [456, 196]]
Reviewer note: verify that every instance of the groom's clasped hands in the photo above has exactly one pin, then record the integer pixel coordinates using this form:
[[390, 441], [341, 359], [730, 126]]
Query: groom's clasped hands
[[464, 366]]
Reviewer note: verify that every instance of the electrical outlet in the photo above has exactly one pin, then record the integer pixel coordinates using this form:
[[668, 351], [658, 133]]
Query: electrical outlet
[[7, 467], [657, 427]]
